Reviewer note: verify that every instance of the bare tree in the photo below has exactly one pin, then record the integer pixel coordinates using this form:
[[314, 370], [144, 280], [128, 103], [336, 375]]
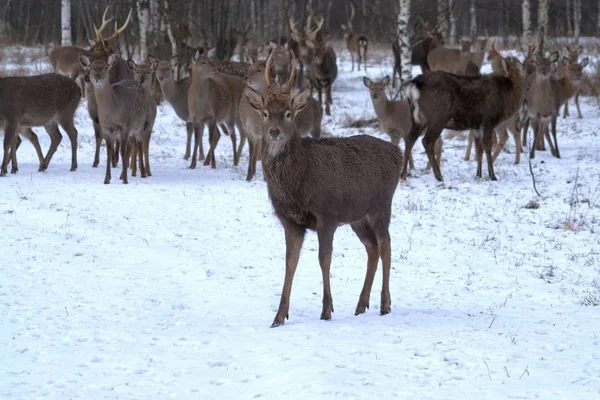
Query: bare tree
[[65, 23], [143, 10], [527, 21], [473, 19], [576, 19], [442, 16], [542, 25], [404, 41], [569, 24], [452, 17]]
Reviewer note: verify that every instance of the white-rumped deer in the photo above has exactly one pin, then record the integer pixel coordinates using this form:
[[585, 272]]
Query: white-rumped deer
[[357, 44], [443, 100], [395, 117], [47, 100], [122, 111], [320, 184]]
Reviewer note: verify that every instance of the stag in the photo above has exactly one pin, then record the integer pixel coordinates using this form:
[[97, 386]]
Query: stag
[[323, 69], [356, 43]]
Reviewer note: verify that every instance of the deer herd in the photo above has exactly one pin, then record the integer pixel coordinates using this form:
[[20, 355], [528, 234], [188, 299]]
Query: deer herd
[[313, 183]]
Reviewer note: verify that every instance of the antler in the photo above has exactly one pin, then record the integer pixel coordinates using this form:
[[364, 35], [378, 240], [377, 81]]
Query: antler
[[103, 26], [293, 25], [312, 33], [268, 74], [290, 83], [351, 14], [121, 29]]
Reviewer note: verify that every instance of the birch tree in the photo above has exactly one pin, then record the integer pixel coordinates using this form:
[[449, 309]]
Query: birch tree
[[576, 19], [569, 25], [404, 41], [144, 21], [452, 17], [526, 21], [542, 25], [473, 19], [65, 23], [442, 17]]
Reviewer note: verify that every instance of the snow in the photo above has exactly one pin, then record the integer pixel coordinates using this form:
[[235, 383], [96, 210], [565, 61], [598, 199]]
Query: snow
[[166, 287]]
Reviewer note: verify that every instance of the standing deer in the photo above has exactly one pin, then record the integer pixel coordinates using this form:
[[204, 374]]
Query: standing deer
[[144, 74], [421, 49], [395, 117], [176, 93], [356, 43], [47, 100], [214, 99], [319, 184], [281, 61], [574, 54], [308, 120], [122, 111], [30, 135], [442, 100], [323, 69], [301, 38]]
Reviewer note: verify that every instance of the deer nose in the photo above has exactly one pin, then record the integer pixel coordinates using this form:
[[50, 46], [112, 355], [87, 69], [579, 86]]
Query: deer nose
[[97, 77], [274, 133]]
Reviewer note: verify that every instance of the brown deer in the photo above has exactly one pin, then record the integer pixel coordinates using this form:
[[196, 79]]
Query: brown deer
[[281, 61], [320, 184], [573, 55], [144, 74], [214, 99], [442, 100], [308, 120], [122, 111], [355, 43], [176, 93], [395, 117], [30, 135], [300, 46], [47, 100], [455, 61], [323, 69]]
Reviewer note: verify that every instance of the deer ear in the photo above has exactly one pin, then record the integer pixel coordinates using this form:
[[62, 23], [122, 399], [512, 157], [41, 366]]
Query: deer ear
[[131, 64], [151, 59], [175, 59], [272, 45], [300, 100], [255, 99], [367, 81], [584, 62], [386, 81], [92, 42], [84, 60], [113, 60], [196, 55], [580, 50], [554, 57], [566, 61]]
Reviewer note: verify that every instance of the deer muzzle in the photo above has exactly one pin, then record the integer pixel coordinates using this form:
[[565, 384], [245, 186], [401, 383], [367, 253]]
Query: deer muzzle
[[274, 134]]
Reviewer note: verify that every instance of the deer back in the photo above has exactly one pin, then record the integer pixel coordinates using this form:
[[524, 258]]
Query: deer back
[[175, 92]]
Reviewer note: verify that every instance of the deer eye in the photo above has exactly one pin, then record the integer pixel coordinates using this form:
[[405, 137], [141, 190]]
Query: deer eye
[[288, 114], [265, 114]]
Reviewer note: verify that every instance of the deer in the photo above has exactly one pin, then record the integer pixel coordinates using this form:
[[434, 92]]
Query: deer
[[455, 61], [323, 69], [213, 99], [308, 120], [29, 134], [281, 61], [144, 74], [122, 112], [228, 67], [355, 43], [395, 117], [301, 38], [47, 100], [320, 184], [443, 100], [102, 49], [176, 94], [420, 50], [573, 55]]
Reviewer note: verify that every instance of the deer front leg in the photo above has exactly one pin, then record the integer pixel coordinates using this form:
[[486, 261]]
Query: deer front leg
[[409, 142], [294, 237], [469, 146], [487, 147], [369, 240], [385, 252], [125, 150], [429, 143], [98, 136], [143, 166], [188, 144], [566, 109], [579, 114], [9, 138], [325, 236], [109, 157]]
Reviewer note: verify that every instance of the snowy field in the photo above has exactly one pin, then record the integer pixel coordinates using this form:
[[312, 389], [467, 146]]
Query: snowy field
[[166, 287]]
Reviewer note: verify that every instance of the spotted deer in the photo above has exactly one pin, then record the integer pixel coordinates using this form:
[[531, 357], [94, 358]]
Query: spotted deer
[[320, 184]]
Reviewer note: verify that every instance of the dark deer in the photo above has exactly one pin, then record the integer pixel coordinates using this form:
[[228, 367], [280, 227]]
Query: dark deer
[[356, 43], [47, 100], [442, 100], [323, 69], [320, 184]]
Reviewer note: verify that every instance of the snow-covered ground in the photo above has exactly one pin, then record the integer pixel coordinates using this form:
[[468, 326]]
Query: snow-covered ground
[[166, 287]]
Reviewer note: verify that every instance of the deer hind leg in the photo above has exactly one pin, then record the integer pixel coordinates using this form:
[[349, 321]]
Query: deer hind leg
[[366, 235], [438, 148], [214, 135], [189, 127], [55, 139], [146, 143], [144, 167], [133, 157], [69, 127], [325, 235], [200, 129], [502, 135], [30, 135], [553, 148], [125, 151], [469, 146], [110, 148], [409, 142], [379, 223], [525, 129], [294, 237], [116, 152], [478, 152], [579, 114], [243, 139], [487, 147], [9, 136], [251, 161], [566, 109], [328, 100], [233, 136]]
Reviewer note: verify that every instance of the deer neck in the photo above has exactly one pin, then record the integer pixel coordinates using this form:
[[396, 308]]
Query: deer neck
[[381, 107], [284, 171], [105, 95]]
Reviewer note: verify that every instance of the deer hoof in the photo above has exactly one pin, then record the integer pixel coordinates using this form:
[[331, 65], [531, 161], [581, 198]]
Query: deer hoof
[[386, 309], [326, 314], [361, 308]]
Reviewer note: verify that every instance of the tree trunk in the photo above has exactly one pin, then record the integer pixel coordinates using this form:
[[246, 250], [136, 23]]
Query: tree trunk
[[576, 19], [569, 25], [253, 19], [169, 28], [65, 23], [452, 17], [404, 41], [473, 20], [442, 17], [154, 25], [598, 21], [144, 20], [527, 21], [542, 25]]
